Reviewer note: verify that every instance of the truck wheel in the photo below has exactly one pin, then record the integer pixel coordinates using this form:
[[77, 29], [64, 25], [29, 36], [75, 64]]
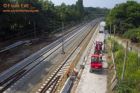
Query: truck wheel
[[90, 70]]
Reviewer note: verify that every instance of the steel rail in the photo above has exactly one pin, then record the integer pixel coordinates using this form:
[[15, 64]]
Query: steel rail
[[20, 73], [47, 86]]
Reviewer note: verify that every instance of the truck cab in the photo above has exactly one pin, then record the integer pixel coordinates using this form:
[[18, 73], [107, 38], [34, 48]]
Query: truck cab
[[96, 62]]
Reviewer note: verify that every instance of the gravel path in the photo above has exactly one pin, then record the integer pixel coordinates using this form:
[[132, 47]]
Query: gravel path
[[93, 82]]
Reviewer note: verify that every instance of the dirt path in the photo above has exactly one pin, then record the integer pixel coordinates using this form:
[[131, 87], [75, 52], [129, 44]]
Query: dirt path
[[131, 46]]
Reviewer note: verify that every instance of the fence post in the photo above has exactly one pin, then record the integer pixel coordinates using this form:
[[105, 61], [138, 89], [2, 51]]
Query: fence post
[[138, 59], [124, 65]]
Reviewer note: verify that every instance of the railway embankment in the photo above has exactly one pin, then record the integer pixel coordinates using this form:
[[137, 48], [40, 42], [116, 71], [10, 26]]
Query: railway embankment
[[127, 62]]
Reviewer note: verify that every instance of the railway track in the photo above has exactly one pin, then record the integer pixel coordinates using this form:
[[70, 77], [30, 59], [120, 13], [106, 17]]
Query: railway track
[[52, 82], [4, 78], [9, 81]]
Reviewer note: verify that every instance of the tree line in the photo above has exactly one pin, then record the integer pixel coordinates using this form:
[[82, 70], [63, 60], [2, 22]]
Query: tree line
[[48, 19], [126, 18]]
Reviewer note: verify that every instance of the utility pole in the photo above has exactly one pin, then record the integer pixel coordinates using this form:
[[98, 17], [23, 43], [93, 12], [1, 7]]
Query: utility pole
[[63, 52], [110, 23], [138, 58], [34, 29], [110, 30], [114, 30], [114, 37], [124, 64]]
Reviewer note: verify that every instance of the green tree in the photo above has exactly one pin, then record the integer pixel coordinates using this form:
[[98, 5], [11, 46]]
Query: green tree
[[80, 8], [124, 16], [48, 19]]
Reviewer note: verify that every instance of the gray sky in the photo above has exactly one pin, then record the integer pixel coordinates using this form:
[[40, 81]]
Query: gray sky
[[92, 3]]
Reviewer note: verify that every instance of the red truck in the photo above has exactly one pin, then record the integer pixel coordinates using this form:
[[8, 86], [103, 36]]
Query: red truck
[[98, 47], [96, 62]]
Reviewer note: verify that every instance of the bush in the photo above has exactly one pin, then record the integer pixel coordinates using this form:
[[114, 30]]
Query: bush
[[117, 46], [133, 34]]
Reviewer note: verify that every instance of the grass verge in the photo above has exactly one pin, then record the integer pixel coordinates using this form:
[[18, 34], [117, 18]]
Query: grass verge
[[131, 81]]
